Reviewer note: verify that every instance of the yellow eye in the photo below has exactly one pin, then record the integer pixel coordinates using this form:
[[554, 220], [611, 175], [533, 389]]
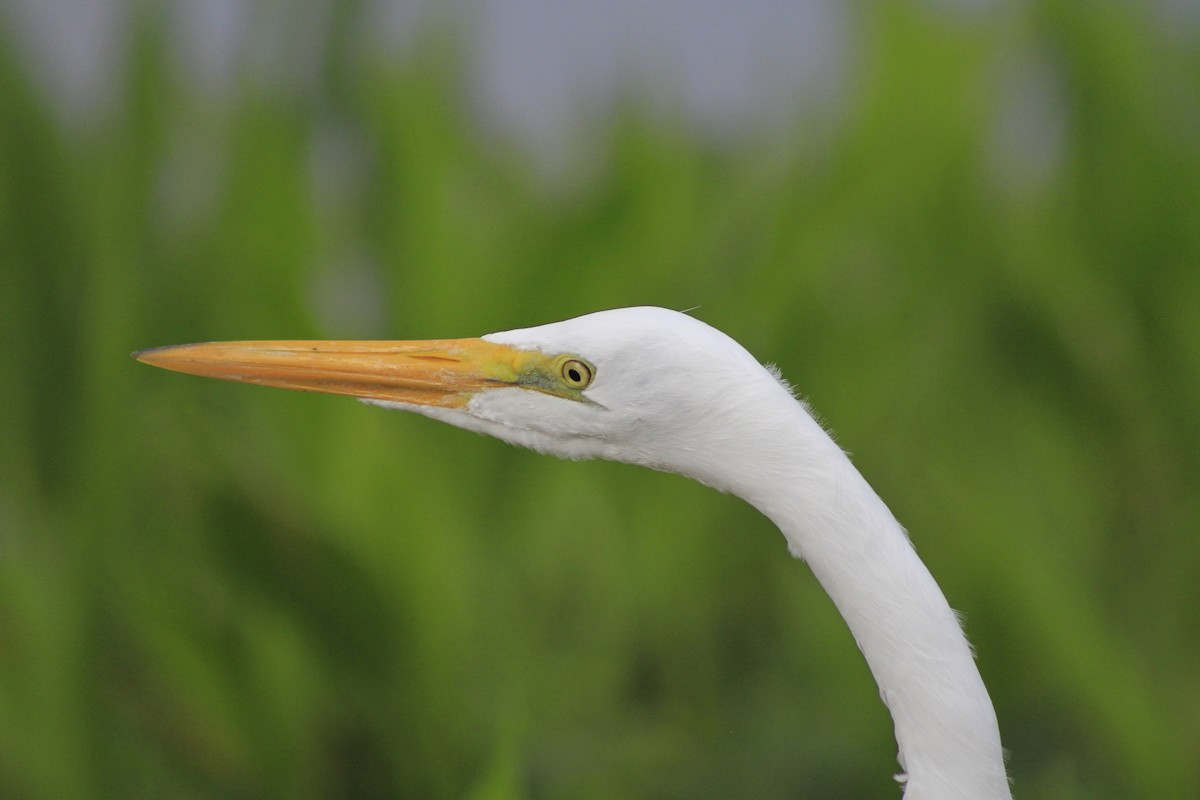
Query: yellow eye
[[577, 374]]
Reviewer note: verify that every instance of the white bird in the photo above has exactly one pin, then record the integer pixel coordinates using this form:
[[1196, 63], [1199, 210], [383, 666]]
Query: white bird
[[659, 388]]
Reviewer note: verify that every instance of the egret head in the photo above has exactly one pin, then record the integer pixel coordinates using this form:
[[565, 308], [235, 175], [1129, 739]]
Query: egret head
[[632, 384], [658, 388]]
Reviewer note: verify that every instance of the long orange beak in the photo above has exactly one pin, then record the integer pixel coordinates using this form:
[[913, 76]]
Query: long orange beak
[[442, 372]]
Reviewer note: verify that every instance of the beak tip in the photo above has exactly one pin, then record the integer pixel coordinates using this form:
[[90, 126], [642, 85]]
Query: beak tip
[[146, 354], [166, 356]]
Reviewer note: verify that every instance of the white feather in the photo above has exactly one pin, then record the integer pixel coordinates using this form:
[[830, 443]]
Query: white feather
[[674, 394]]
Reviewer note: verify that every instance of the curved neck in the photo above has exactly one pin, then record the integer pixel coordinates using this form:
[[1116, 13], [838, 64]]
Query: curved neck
[[949, 742]]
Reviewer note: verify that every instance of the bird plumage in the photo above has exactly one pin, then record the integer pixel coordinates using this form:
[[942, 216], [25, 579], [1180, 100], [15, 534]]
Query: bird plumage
[[662, 389]]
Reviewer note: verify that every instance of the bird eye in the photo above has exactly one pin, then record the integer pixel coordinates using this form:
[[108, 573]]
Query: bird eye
[[577, 374]]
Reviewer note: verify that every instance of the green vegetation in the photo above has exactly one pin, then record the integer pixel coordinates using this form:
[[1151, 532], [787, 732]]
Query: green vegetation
[[210, 590]]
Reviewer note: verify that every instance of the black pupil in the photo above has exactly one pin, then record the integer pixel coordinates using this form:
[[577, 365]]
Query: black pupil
[[574, 375]]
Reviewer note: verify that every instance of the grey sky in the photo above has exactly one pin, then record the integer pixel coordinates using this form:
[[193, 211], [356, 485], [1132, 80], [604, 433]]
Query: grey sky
[[537, 68]]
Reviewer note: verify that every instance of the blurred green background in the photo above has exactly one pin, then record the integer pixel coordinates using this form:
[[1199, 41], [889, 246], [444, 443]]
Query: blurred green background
[[210, 590]]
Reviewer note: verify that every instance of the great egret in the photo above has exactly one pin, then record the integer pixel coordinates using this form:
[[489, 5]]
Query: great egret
[[659, 388]]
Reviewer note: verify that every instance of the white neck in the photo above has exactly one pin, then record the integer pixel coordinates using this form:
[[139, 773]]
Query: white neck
[[945, 726]]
